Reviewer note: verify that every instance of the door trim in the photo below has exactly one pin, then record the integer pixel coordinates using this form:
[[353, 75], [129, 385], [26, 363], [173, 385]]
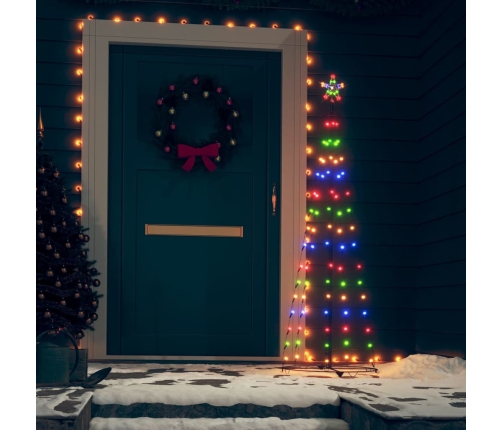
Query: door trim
[[97, 37]]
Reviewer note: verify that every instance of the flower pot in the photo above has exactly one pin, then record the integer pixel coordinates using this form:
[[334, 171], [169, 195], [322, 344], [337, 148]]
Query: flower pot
[[80, 373]]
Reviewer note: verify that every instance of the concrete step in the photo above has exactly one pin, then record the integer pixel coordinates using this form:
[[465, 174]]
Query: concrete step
[[271, 423]]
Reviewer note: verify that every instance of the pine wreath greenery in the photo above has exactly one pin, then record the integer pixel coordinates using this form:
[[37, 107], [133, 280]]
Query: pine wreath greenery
[[207, 92], [351, 8]]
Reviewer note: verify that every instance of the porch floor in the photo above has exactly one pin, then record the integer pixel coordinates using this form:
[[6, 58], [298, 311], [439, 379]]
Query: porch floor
[[399, 392]]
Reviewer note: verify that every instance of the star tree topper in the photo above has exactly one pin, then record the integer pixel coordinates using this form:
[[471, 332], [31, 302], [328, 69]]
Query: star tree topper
[[332, 89]]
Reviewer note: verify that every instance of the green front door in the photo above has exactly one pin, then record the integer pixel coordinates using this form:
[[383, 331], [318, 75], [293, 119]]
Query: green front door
[[187, 294]]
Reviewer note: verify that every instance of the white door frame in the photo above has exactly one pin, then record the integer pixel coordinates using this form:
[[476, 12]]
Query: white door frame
[[97, 37]]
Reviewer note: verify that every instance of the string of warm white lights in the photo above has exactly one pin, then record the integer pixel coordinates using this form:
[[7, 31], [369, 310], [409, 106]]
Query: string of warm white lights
[[160, 20], [164, 20]]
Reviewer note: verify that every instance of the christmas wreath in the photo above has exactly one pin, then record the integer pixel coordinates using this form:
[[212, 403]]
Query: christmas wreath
[[218, 145]]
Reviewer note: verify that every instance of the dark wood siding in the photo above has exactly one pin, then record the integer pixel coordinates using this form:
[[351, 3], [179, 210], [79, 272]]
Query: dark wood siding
[[441, 230]]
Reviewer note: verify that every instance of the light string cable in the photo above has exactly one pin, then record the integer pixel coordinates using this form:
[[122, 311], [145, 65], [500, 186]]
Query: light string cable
[[299, 309]]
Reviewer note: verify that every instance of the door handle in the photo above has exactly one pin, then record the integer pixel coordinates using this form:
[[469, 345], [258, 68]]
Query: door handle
[[274, 199]]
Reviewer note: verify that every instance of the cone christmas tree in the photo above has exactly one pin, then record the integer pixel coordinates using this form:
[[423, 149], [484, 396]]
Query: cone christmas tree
[[66, 279]]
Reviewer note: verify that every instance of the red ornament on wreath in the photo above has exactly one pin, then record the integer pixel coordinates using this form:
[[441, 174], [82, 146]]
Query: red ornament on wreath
[[218, 145]]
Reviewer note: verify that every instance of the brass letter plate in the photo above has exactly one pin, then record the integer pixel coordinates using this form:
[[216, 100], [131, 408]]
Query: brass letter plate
[[194, 230]]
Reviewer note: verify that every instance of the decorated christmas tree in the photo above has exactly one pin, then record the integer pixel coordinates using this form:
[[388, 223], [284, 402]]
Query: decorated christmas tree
[[65, 276]]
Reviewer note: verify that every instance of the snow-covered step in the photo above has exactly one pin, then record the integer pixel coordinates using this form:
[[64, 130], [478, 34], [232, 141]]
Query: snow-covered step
[[272, 423], [206, 395]]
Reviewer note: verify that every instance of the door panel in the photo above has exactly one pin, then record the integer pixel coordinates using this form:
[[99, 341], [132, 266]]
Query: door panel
[[186, 295]]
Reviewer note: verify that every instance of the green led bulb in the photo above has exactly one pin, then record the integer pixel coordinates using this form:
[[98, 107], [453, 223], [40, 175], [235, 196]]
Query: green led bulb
[[326, 345], [337, 142], [328, 281], [349, 210], [346, 342], [298, 342], [359, 282], [370, 345], [343, 284], [328, 208], [287, 344], [311, 210], [339, 213]]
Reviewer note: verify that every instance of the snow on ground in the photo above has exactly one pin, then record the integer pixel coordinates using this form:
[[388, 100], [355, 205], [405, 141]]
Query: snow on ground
[[61, 402], [217, 390], [417, 386], [216, 424], [420, 385]]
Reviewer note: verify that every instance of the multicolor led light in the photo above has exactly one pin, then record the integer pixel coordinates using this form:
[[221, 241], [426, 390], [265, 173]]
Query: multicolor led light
[[333, 235], [332, 89]]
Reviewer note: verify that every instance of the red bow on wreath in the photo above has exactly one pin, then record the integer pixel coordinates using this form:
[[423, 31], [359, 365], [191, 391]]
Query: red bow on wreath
[[205, 152]]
